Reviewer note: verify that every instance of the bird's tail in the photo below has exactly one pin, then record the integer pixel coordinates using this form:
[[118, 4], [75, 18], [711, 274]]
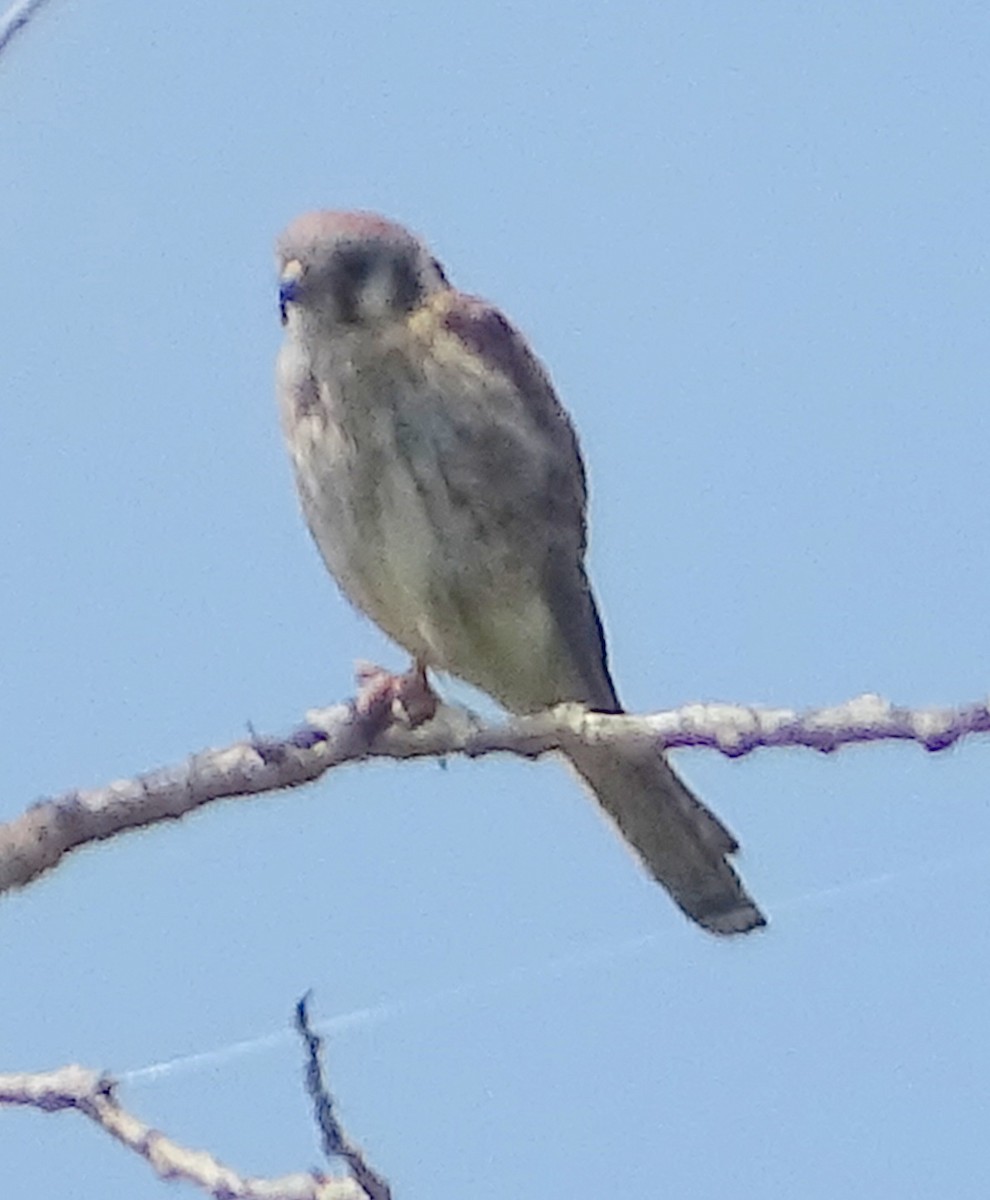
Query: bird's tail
[[683, 845]]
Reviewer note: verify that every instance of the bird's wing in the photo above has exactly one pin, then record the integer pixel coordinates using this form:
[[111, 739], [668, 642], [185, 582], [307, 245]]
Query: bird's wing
[[518, 464]]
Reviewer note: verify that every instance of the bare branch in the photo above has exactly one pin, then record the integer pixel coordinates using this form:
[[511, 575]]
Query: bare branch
[[336, 1143], [92, 1094], [15, 18], [36, 841]]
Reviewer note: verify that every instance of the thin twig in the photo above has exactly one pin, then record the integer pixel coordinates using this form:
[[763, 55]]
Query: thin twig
[[92, 1094], [15, 18], [336, 1143]]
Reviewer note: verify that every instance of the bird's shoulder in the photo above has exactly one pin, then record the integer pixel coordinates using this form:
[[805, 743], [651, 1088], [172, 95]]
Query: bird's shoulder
[[474, 336]]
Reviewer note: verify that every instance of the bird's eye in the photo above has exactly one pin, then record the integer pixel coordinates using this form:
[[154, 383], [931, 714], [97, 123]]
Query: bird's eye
[[356, 266]]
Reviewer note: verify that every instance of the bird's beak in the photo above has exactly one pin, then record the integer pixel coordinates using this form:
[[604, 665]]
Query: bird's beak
[[288, 287]]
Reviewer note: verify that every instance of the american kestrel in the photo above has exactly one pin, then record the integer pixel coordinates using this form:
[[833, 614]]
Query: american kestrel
[[442, 482]]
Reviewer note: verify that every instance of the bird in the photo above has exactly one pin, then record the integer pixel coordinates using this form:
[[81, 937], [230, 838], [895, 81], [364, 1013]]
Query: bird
[[442, 481]]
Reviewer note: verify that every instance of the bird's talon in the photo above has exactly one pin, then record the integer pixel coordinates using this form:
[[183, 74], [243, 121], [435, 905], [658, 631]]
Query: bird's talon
[[383, 696]]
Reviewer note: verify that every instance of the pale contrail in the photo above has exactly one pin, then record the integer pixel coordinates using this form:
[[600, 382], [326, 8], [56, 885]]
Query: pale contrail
[[564, 964], [375, 1014], [266, 1041]]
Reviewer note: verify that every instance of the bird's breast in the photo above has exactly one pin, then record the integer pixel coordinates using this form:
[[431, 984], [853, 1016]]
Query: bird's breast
[[402, 498]]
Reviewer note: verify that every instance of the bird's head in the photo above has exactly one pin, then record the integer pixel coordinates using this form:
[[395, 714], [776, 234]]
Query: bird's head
[[353, 269]]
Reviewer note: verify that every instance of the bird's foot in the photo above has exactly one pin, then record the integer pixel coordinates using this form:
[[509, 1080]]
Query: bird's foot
[[383, 696]]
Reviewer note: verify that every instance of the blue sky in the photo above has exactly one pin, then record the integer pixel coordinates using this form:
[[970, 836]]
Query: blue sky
[[750, 241]]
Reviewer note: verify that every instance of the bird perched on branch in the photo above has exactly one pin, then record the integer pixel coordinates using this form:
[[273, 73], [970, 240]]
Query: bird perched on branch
[[442, 482]]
